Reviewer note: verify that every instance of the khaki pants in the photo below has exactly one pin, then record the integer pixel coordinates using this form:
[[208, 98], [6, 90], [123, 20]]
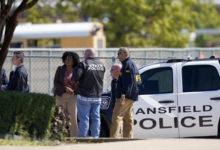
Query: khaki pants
[[125, 113], [68, 102]]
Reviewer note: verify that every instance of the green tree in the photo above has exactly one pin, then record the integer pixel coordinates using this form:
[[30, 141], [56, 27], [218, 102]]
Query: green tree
[[45, 12], [139, 23], [170, 18], [207, 17], [9, 11]]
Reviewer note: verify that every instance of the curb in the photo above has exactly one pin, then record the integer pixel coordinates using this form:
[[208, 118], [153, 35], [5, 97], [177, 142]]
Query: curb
[[97, 140]]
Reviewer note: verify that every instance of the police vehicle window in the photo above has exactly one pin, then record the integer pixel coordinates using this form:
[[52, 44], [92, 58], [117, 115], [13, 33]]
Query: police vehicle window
[[157, 81], [200, 78]]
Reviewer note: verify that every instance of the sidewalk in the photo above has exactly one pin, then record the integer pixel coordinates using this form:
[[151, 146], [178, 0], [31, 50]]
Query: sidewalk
[[149, 144]]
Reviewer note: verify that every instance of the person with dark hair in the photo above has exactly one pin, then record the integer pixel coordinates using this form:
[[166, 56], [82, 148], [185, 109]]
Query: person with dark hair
[[4, 80], [18, 78], [212, 57], [65, 89]]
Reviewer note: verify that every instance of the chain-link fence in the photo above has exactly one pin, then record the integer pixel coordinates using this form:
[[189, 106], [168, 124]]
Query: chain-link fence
[[41, 64]]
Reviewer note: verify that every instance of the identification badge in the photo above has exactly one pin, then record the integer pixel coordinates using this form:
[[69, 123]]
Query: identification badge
[[127, 71]]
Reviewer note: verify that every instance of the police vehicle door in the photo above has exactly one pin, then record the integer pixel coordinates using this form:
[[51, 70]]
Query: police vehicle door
[[198, 98], [155, 113]]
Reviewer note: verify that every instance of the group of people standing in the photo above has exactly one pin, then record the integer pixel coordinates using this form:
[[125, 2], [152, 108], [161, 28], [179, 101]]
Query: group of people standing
[[78, 89], [79, 86]]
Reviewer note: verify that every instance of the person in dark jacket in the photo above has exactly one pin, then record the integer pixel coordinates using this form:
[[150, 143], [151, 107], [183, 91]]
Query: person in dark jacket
[[89, 74], [126, 94], [65, 87], [18, 78], [4, 80], [115, 72]]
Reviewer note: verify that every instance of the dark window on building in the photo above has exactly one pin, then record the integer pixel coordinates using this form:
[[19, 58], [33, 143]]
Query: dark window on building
[[53, 43], [17, 44], [33, 43], [200, 78], [157, 81]]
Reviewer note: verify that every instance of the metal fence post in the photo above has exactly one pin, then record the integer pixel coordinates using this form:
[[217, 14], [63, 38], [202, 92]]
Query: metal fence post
[[30, 70], [50, 72], [12, 53], [99, 53], [146, 62], [160, 51], [199, 54], [113, 59], [188, 54], [172, 53]]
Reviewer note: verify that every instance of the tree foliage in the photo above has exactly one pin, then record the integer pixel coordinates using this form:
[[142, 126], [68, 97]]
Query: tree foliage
[[207, 15], [9, 11], [45, 12], [139, 23], [207, 18]]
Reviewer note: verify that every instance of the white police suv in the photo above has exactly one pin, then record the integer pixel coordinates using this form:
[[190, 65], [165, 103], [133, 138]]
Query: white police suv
[[179, 98]]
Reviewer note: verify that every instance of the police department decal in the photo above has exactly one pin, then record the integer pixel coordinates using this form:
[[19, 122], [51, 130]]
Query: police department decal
[[105, 102], [187, 121]]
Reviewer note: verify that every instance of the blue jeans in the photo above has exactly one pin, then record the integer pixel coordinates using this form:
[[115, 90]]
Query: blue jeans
[[88, 110]]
